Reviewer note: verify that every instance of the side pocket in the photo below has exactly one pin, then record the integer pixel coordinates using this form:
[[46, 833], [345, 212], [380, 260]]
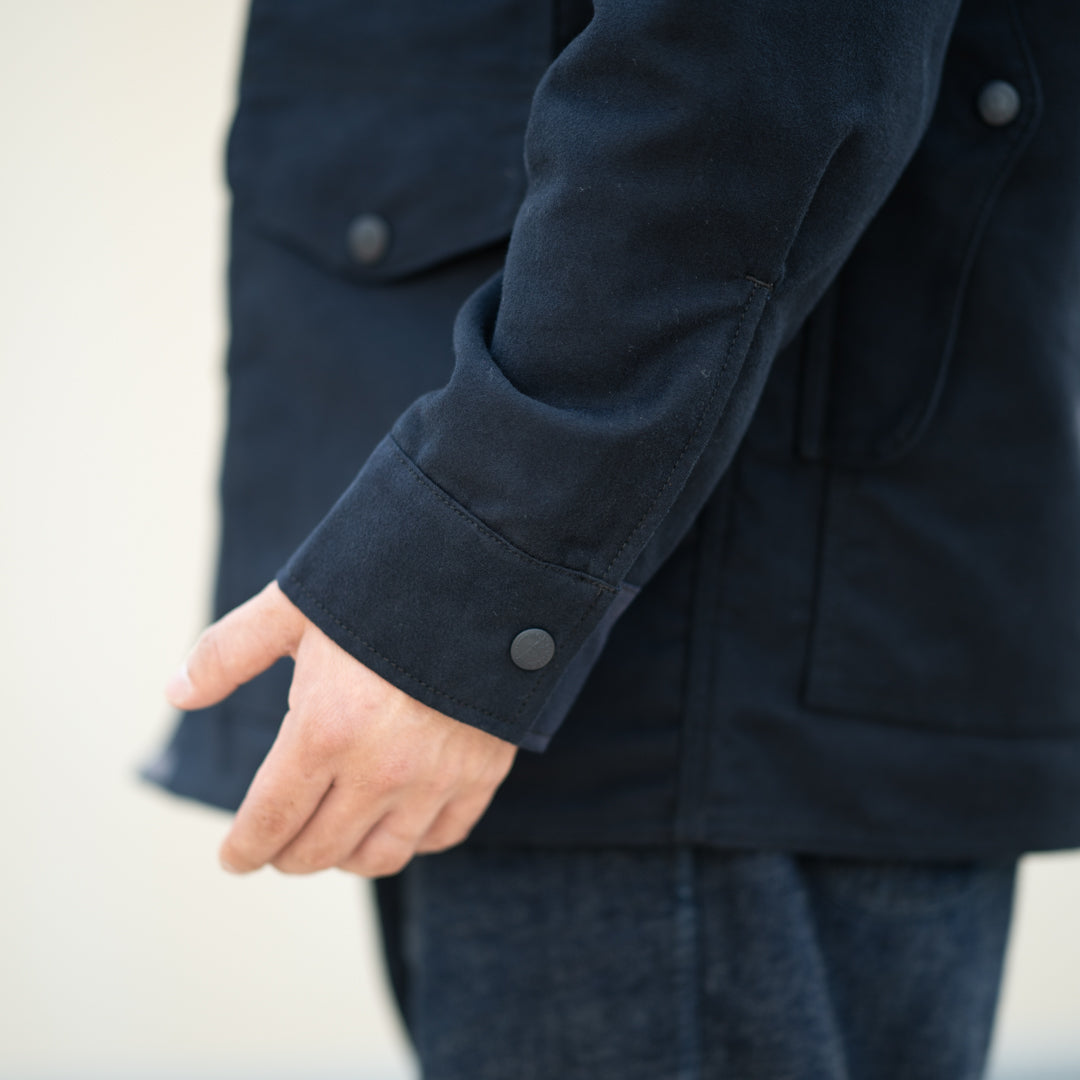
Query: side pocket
[[929, 596], [877, 348]]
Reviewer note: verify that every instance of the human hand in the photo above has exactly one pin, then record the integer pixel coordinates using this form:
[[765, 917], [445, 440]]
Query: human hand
[[361, 776]]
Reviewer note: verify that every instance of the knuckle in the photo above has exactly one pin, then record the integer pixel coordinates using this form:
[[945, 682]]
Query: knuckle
[[271, 822], [448, 832], [287, 864], [382, 856], [304, 861], [395, 770], [456, 834], [378, 868], [498, 768], [459, 833], [327, 738], [436, 788], [389, 867], [444, 840]]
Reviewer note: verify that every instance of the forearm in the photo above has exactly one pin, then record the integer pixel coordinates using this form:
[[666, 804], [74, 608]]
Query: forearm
[[696, 177]]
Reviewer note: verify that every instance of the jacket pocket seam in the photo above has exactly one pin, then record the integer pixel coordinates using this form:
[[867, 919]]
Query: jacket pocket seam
[[816, 438]]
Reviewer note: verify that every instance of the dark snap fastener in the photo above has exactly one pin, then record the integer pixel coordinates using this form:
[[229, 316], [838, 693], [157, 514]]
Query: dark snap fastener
[[369, 238], [998, 103], [532, 649]]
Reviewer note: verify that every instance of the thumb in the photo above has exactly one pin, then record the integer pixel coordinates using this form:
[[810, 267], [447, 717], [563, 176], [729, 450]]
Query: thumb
[[236, 648]]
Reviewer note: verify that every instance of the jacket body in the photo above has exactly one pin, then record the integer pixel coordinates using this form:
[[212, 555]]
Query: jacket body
[[737, 350]]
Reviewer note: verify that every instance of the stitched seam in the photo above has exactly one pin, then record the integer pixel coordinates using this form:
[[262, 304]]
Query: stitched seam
[[697, 426], [393, 663], [488, 534]]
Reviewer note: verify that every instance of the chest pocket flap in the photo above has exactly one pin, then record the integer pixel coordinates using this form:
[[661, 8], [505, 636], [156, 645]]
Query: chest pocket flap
[[381, 139]]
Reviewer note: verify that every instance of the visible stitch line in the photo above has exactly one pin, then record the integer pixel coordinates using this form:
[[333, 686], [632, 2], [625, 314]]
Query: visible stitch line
[[421, 478], [693, 434], [757, 281], [393, 663]]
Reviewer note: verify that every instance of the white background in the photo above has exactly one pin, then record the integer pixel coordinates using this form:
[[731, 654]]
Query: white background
[[124, 951]]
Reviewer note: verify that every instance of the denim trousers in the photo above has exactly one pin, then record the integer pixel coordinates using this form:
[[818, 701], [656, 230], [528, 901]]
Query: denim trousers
[[693, 964]]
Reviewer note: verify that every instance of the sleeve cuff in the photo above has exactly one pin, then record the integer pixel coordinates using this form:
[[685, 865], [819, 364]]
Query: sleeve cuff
[[410, 583]]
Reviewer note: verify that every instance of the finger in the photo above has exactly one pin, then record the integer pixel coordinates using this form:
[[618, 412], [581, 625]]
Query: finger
[[284, 795], [236, 648], [454, 823], [332, 833], [388, 847]]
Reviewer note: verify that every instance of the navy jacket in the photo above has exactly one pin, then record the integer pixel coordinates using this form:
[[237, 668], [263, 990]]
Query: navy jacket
[[730, 350]]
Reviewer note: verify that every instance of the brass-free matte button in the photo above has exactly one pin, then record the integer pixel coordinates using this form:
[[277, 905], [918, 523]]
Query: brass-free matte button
[[369, 238], [998, 103], [532, 649]]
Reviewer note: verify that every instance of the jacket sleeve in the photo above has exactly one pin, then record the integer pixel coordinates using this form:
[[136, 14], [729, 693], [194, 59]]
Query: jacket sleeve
[[697, 173]]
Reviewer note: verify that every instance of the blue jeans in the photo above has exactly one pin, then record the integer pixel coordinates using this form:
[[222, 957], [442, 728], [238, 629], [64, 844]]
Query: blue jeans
[[690, 964]]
